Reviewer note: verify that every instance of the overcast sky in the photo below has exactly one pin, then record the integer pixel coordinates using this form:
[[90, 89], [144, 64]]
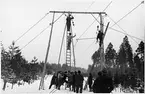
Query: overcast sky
[[17, 16]]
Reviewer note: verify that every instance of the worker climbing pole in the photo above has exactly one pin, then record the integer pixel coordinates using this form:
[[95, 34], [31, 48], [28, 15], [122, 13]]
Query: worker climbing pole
[[101, 36], [102, 56]]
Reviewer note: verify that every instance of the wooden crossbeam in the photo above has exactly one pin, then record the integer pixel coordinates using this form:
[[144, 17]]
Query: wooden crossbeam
[[74, 12]]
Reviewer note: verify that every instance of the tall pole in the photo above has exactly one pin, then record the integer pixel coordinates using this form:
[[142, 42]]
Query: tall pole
[[74, 59], [102, 56], [41, 86], [61, 45]]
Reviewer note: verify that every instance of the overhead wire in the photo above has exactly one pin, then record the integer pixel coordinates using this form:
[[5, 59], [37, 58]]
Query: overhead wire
[[121, 19], [91, 4], [128, 13], [92, 22], [41, 32], [95, 20], [31, 27], [34, 37], [89, 25], [121, 28]]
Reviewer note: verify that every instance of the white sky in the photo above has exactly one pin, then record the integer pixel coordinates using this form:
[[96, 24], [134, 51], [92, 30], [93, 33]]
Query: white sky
[[17, 16]]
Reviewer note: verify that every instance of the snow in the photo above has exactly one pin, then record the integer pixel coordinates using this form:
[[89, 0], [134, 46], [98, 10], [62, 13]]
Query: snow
[[33, 88]]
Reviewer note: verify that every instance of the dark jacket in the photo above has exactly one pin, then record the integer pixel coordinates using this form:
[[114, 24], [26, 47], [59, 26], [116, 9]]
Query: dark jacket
[[100, 36], [79, 79], [97, 85], [90, 79], [53, 80]]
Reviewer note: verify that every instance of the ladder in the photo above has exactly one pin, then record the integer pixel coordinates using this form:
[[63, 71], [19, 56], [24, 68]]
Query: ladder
[[68, 53]]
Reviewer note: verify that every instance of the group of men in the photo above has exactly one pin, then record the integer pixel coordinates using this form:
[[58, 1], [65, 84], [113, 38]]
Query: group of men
[[73, 80]]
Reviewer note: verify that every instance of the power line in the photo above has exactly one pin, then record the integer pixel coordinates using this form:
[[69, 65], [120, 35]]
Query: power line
[[121, 28], [41, 32], [32, 26], [87, 29], [126, 33], [114, 30], [128, 13], [95, 20], [107, 6], [91, 4], [92, 22], [34, 37]]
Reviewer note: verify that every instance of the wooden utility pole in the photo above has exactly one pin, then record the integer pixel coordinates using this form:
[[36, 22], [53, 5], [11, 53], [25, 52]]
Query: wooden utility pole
[[41, 86], [74, 59], [102, 56], [61, 45]]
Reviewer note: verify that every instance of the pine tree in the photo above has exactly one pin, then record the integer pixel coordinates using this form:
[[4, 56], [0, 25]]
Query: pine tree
[[17, 63], [125, 55], [139, 59], [110, 55], [7, 72], [96, 59]]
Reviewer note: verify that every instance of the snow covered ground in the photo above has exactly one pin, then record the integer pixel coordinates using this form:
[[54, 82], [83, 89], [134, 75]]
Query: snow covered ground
[[33, 88]]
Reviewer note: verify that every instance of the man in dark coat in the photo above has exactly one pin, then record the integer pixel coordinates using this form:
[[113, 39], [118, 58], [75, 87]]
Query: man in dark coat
[[97, 83], [68, 21], [53, 80], [79, 82], [100, 37], [73, 83], [90, 81], [107, 83]]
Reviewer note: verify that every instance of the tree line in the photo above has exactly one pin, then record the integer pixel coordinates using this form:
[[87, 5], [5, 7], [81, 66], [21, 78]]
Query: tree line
[[124, 66], [15, 69]]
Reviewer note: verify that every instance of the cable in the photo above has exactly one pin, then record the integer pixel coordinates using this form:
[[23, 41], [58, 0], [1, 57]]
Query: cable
[[128, 13], [107, 6], [95, 20], [121, 28], [114, 30], [34, 37], [32, 27], [125, 33], [90, 45], [91, 4], [86, 29], [41, 32], [57, 18]]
